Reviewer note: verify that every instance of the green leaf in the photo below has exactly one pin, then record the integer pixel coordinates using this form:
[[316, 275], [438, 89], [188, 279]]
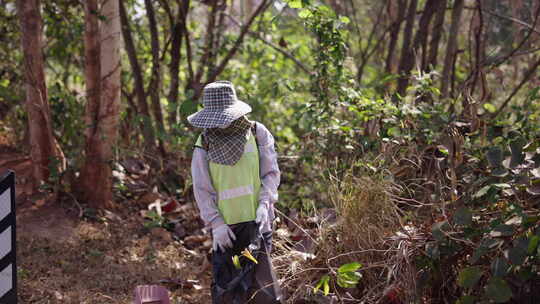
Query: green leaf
[[499, 172], [516, 147], [323, 282], [348, 279], [236, 262], [345, 19], [437, 230], [350, 267], [482, 191], [525, 274], [484, 247], [326, 286], [463, 216], [295, 3], [468, 277], [432, 250], [305, 13], [499, 267], [466, 300], [495, 157], [516, 255], [188, 107], [394, 131], [502, 230], [533, 243], [498, 290], [490, 108]]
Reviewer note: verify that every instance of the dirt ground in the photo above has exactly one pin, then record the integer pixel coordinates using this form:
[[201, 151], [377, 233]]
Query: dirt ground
[[65, 258]]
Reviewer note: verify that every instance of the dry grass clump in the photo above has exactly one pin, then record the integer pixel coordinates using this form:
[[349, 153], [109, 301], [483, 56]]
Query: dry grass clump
[[369, 230]]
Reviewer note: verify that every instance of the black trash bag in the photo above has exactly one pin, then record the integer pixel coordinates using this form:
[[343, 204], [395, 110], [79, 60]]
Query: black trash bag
[[252, 283]]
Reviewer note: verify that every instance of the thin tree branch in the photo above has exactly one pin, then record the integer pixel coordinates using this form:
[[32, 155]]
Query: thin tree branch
[[528, 75], [499, 61], [532, 28], [209, 40], [272, 45], [260, 9]]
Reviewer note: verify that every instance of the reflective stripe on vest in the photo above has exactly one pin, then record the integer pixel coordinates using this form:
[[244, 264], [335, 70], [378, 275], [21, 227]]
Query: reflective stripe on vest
[[237, 186]]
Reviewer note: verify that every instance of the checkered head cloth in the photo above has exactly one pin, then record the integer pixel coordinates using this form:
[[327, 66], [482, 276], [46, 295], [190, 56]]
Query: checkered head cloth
[[221, 106], [226, 146]]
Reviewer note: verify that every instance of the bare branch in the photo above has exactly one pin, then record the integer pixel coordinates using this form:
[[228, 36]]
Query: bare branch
[[260, 9], [530, 27], [528, 75], [272, 45], [209, 39]]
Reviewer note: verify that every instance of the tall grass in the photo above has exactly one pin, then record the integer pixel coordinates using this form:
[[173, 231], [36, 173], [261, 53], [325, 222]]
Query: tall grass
[[368, 229]]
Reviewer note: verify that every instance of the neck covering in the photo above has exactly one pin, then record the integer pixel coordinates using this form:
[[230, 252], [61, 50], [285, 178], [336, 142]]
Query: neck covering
[[226, 146]]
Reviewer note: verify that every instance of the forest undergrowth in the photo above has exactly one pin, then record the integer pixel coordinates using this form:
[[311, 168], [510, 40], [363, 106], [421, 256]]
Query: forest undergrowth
[[408, 135]]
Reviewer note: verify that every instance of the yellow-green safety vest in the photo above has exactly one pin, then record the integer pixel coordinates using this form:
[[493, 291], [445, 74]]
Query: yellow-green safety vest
[[237, 186]]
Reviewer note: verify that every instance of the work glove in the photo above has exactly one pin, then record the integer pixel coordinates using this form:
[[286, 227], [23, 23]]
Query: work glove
[[222, 237], [263, 216]]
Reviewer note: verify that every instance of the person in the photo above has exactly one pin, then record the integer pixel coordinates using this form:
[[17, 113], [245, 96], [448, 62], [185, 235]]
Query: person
[[235, 182]]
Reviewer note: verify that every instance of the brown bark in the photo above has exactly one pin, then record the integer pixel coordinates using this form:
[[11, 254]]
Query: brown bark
[[407, 59], [42, 143], [178, 26], [451, 48], [477, 36], [101, 133], [397, 14], [209, 51], [219, 35], [421, 38], [223, 63], [436, 35], [155, 82], [136, 71]]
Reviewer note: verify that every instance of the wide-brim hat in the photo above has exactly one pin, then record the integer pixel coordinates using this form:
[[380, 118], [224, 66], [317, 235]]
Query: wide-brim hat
[[221, 106]]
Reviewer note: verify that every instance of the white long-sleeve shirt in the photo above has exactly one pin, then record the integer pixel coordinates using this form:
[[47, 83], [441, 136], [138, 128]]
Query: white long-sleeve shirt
[[205, 194]]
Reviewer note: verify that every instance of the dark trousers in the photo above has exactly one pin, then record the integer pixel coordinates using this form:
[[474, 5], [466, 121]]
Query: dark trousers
[[253, 283]]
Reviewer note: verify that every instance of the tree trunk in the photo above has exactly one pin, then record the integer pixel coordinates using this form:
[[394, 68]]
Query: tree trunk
[[477, 45], [103, 108], [407, 56], [42, 143], [420, 41], [451, 47], [397, 18], [436, 35], [174, 67], [144, 112], [155, 82]]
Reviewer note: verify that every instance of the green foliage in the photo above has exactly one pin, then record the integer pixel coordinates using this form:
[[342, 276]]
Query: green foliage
[[498, 290], [67, 113], [347, 276], [328, 79], [324, 283], [469, 277], [153, 220], [503, 244]]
